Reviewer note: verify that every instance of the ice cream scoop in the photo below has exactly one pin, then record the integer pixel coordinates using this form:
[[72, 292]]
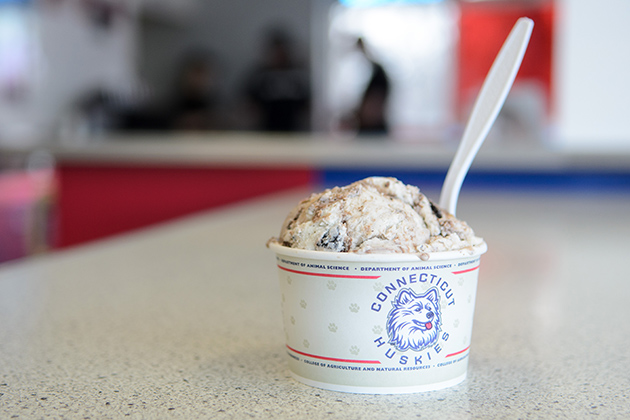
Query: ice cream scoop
[[373, 216]]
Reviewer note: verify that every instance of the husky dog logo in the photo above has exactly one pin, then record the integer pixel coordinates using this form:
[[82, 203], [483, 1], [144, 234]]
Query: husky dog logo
[[414, 321]]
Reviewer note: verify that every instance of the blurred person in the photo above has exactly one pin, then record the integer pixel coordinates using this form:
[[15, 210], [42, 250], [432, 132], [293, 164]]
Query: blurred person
[[278, 89], [196, 103], [371, 114], [192, 102]]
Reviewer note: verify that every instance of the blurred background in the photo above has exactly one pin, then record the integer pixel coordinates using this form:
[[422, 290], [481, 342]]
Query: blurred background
[[113, 111]]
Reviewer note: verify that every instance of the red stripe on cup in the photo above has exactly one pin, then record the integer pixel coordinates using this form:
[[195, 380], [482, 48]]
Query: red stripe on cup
[[459, 352], [333, 359], [466, 271], [340, 276]]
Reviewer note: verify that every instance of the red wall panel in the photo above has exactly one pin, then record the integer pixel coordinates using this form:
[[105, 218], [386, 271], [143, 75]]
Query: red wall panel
[[483, 29], [96, 201]]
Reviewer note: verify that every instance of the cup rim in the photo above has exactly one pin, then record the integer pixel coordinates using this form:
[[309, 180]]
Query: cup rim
[[468, 252]]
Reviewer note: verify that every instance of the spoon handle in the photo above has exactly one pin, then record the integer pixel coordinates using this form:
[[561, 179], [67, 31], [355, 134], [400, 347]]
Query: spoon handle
[[486, 108]]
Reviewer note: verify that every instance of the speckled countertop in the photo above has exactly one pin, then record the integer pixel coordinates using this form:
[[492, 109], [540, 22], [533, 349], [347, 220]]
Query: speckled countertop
[[183, 321]]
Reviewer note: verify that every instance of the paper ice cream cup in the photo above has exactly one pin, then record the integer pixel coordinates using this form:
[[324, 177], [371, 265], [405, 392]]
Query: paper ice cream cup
[[381, 324]]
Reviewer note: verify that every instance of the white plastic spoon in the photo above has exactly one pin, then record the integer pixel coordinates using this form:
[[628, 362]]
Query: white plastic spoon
[[487, 106]]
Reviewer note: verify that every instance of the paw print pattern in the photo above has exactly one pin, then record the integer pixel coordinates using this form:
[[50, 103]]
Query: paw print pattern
[[469, 298], [354, 308], [293, 320], [331, 285], [332, 327], [306, 343], [461, 281], [284, 299], [377, 329], [289, 279], [378, 287], [456, 323], [354, 350], [303, 304]]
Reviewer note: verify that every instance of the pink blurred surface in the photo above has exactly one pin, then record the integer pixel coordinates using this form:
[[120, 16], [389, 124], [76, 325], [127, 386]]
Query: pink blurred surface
[[25, 213]]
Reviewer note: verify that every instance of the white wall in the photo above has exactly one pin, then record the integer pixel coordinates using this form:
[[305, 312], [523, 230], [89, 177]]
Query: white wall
[[592, 74], [70, 56]]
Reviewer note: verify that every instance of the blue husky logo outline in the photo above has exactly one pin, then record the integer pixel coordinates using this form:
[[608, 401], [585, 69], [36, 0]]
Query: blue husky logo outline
[[414, 321]]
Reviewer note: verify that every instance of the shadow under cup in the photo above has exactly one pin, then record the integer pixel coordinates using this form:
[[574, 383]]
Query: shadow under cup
[[378, 323]]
